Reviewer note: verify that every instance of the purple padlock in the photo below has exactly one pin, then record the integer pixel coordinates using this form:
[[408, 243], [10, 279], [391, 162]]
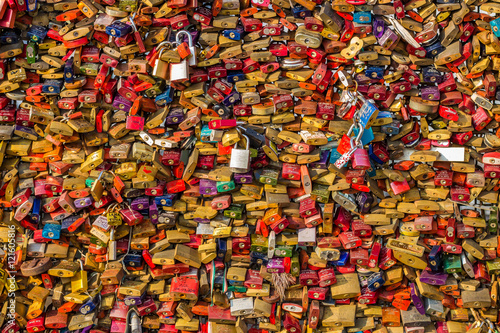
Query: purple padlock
[[322, 163], [68, 221], [122, 104], [83, 202], [208, 187], [243, 178], [27, 131], [378, 27], [430, 93], [276, 265], [362, 78], [435, 279], [175, 116], [365, 201], [87, 329], [195, 34], [140, 203], [232, 98], [388, 39], [201, 220], [153, 213], [431, 75], [101, 222], [133, 300], [415, 297]]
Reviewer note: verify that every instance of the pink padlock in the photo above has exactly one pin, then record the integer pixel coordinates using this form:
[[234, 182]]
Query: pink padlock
[[119, 311], [261, 3], [135, 123], [118, 326], [342, 219], [360, 159], [131, 217]]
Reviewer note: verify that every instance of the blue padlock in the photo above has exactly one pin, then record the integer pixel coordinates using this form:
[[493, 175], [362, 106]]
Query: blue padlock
[[165, 97], [69, 72], [165, 200], [374, 156], [431, 75], [9, 37], [88, 306], [371, 171], [35, 212], [32, 5], [436, 258], [300, 12], [258, 258], [65, 223], [133, 259], [235, 283], [362, 17], [495, 27], [234, 34], [118, 29], [367, 136], [367, 111], [334, 156], [375, 72], [206, 133], [233, 77], [343, 259], [376, 281], [51, 231], [221, 248], [392, 128], [433, 49], [37, 33], [52, 87]]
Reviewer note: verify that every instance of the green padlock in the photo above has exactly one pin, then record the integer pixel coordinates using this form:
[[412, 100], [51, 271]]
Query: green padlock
[[234, 212], [31, 52], [452, 264], [225, 186]]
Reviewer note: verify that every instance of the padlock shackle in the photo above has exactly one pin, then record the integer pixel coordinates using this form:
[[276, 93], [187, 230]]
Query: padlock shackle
[[131, 19], [351, 129], [161, 47], [360, 134], [133, 322], [248, 142], [184, 32]]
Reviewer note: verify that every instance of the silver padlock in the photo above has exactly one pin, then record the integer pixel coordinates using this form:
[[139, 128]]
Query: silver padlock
[[241, 306], [179, 71], [240, 158], [192, 60]]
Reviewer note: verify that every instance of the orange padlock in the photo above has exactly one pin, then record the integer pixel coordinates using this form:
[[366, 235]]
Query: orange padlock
[[183, 50]]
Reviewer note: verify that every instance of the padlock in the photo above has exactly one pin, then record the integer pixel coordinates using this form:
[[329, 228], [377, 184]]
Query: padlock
[[240, 158], [161, 68]]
